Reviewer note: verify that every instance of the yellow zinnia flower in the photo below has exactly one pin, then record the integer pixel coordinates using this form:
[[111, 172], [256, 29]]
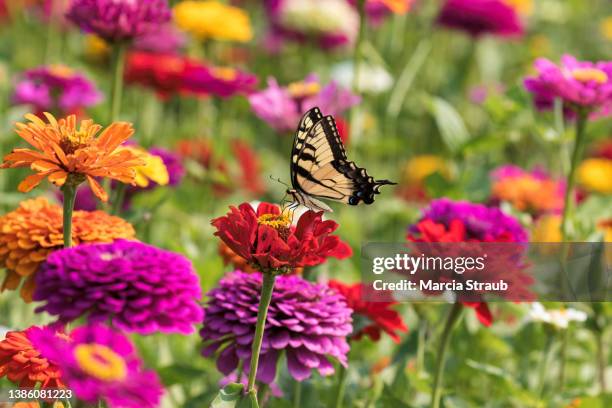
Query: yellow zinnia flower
[[420, 167], [547, 229], [153, 169], [213, 20], [595, 174], [606, 27]]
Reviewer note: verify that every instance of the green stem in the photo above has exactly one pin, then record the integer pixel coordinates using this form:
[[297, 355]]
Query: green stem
[[563, 358], [262, 313], [119, 196], [544, 362], [357, 57], [568, 205], [451, 321], [297, 394], [342, 377], [69, 191], [601, 362], [117, 84]]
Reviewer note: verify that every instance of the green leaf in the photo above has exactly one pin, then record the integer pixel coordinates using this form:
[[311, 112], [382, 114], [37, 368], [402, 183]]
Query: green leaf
[[228, 397], [450, 124], [179, 374]]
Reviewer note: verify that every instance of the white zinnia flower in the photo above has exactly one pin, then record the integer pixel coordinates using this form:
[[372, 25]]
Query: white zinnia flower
[[559, 318], [320, 17], [372, 78]]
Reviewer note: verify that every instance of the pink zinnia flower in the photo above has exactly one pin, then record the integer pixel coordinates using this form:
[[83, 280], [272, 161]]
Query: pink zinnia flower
[[580, 85], [479, 17]]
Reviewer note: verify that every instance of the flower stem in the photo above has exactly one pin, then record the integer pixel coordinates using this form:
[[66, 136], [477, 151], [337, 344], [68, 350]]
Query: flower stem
[[69, 191], [297, 394], [568, 204], [451, 321], [341, 387], [601, 362], [119, 196], [357, 57], [117, 84], [262, 313], [544, 363]]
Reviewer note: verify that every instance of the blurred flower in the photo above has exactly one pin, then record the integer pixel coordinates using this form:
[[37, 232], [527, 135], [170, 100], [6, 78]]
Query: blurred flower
[[96, 49], [153, 169], [581, 85], [138, 287], [74, 155], [602, 149], [559, 318], [524, 7], [22, 364], [233, 259], [372, 78], [213, 20], [163, 39], [595, 175], [267, 239], [215, 166], [606, 227], [119, 20], [100, 364], [606, 27], [480, 17], [173, 164], [547, 228], [250, 167], [534, 192], [307, 322], [170, 74], [282, 107], [220, 81], [377, 316], [461, 221], [304, 20], [55, 88], [34, 230], [416, 171]]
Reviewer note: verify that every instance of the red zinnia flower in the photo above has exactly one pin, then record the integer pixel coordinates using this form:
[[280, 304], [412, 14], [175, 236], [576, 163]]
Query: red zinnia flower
[[379, 313], [23, 364], [250, 167], [267, 239]]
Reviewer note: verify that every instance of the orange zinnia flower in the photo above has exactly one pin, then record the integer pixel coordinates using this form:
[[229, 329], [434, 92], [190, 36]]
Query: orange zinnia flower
[[67, 153], [30, 233], [23, 365]]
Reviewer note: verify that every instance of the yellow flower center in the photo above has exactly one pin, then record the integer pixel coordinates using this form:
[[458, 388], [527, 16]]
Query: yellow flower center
[[100, 362], [590, 74], [61, 71], [225, 73], [303, 89], [276, 221]]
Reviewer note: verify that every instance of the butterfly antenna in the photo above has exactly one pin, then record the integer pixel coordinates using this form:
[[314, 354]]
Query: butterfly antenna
[[280, 181]]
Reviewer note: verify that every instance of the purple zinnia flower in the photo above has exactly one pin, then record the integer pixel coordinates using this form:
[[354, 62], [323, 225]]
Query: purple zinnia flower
[[119, 20], [478, 17], [56, 88], [100, 364], [480, 223], [282, 107], [308, 322], [139, 287], [173, 163], [580, 85]]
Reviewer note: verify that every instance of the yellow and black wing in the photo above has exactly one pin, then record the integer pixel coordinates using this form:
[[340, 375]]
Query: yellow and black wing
[[319, 167]]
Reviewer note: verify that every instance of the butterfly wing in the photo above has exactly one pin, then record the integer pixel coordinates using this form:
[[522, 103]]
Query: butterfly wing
[[307, 122], [321, 169]]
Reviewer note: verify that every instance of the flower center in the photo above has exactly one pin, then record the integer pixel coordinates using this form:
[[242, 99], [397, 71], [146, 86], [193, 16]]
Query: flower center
[[224, 73], [277, 221], [590, 74], [100, 362], [303, 89], [61, 71], [71, 142]]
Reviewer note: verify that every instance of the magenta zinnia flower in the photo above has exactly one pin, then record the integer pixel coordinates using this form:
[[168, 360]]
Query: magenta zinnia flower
[[580, 85], [307, 321], [138, 287], [119, 20], [99, 364], [282, 107], [219, 81], [56, 88], [479, 17]]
